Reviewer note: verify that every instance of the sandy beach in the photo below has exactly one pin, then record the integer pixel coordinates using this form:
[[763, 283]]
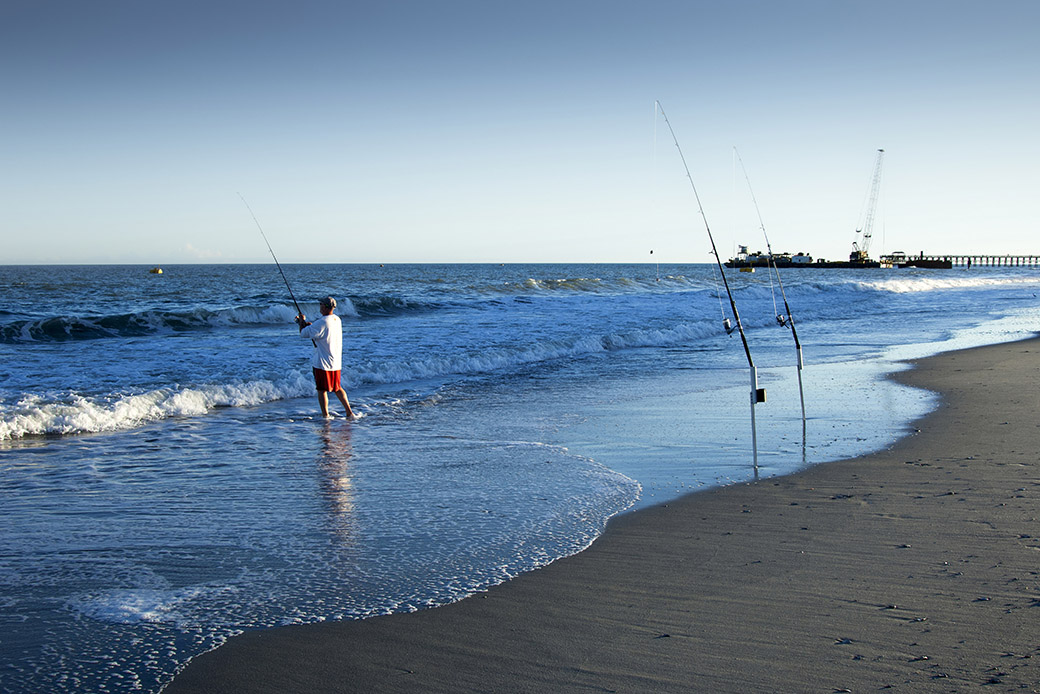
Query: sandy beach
[[915, 569]]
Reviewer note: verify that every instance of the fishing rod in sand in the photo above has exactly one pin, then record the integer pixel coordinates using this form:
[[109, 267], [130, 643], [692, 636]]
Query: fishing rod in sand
[[757, 394], [276, 263], [787, 320]]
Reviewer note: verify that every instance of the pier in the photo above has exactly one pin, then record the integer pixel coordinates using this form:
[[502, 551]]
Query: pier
[[898, 259]]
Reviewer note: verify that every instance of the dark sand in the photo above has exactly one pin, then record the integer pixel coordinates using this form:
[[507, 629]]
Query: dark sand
[[916, 569]]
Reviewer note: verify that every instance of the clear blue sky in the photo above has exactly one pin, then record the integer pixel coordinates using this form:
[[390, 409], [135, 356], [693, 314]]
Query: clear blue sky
[[484, 131]]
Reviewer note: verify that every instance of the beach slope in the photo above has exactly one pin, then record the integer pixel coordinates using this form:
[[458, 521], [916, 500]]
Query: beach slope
[[913, 569]]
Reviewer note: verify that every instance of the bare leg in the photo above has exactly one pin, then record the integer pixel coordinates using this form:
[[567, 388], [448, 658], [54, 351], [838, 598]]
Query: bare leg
[[323, 403], [342, 395]]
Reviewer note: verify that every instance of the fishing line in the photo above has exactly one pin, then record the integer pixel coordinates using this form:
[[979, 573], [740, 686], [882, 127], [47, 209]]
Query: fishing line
[[769, 248], [772, 289], [718, 295], [757, 395], [773, 293]]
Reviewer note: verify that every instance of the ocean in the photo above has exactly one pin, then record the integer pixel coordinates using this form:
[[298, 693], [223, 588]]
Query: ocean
[[167, 483]]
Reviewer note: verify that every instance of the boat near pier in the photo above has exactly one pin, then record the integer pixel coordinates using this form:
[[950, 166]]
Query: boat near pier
[[744, 259]]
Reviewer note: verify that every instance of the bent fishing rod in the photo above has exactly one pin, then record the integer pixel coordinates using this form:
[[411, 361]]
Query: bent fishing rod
[[714, 250], [276, 263], [757, 395], [780, 319]]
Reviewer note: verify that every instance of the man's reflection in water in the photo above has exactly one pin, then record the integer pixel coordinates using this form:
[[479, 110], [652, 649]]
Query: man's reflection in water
[[337, 487]]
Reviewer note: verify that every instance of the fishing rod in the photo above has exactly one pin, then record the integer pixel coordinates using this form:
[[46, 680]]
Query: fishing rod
[[277, 264], [757, 395], [787, 320]]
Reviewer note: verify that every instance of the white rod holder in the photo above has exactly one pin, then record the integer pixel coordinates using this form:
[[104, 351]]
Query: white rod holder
[[754, 401]]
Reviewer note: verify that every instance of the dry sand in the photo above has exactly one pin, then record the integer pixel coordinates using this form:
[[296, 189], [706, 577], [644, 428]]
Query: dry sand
[[916, 569]]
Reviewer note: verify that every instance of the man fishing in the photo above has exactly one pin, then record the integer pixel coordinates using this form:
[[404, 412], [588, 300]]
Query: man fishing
[[327, 335]]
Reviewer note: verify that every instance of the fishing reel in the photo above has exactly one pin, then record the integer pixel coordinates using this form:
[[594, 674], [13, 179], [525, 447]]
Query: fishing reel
[[781, 320], [728, 326]]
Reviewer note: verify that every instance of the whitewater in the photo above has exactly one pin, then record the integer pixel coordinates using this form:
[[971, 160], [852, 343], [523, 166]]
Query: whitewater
[[167, 484]]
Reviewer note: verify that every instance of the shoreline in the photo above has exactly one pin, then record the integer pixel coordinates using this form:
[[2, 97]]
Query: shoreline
[[914, 568]]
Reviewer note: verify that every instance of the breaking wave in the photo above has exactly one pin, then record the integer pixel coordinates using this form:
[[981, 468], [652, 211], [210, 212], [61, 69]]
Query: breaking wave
[[37, 416], [904, 285]]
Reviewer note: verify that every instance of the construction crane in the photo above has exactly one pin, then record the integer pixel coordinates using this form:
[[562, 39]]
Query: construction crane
[[861, 246]]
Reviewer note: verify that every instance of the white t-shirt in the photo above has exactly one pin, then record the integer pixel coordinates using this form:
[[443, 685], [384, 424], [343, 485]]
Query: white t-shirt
[[327, 333]]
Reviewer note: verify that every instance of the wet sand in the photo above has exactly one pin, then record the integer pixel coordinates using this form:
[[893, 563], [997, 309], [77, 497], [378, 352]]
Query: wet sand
[[916, 569]]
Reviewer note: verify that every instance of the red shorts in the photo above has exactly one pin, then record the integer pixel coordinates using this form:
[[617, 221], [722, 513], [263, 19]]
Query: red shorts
[[327, 381]]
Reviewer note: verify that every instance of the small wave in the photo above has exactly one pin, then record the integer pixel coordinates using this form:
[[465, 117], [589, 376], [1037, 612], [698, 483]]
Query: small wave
[[64, 328], [904, 285], [67, 328], [36, 416], [578, 284], [384, 306], [507, 358], [591, 285], [134, 606]]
